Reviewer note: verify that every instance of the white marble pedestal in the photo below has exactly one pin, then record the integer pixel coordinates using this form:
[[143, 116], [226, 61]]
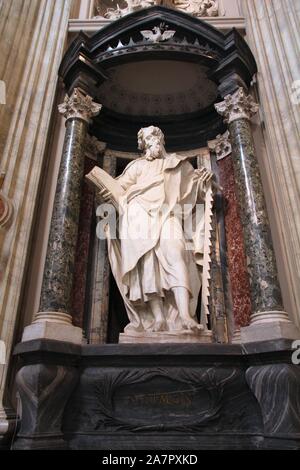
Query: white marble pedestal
[[188, 336]]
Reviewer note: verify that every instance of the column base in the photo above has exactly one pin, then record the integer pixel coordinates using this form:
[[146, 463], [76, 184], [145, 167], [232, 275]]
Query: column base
[[236, 339], [264, 331], [8, 423], [52, 330]]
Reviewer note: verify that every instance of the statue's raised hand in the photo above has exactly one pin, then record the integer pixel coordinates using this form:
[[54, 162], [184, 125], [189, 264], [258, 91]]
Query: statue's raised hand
[[105, 195], [205, 176]]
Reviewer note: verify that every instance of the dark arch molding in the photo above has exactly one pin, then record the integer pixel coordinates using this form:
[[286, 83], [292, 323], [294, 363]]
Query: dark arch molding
[[228, 59]]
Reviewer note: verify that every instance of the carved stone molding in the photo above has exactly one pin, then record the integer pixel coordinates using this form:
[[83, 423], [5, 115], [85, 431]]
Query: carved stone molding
[[79, 106], [93, 147], [239, 105], [273, 385], [198, 8], [44, 390], [220, 145], [6, 206]]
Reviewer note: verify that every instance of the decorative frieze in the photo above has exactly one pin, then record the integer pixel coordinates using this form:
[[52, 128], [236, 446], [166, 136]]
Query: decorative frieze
[[198, 8], [239, 105], [221, 145], [113, 13], [79, 106]]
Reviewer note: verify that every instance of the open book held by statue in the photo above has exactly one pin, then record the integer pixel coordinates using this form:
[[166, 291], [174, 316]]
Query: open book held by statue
[[156, 256]]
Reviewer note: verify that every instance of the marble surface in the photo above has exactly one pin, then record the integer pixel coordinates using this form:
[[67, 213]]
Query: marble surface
[[236, 258], [217, 300], [158, 396], [100, 276], [274, 384], [167, 337], [156, 275], [53, 330], [2, 207], [82, 249], [261, 264], [32, 41], [44, 391], [59, 267], [272, 32]]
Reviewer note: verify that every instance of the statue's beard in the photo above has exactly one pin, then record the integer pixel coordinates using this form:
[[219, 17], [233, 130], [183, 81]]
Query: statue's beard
[[153, 152]]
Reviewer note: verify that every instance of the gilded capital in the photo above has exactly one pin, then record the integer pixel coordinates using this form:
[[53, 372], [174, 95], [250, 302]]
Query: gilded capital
[[220, 145], [79, 106], [237, 106]]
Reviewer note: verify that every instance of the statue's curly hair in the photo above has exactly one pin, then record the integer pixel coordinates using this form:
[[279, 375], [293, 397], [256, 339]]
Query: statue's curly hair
[[156, 131]]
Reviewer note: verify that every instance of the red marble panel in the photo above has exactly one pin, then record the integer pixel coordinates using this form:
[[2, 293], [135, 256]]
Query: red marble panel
[[82, 250], [236, 258]]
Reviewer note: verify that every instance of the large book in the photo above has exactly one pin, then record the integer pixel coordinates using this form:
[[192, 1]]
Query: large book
[[103, 181]]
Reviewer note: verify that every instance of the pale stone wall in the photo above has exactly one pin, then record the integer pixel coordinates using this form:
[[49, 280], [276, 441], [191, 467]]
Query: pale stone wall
[[32, 36], [272, 29]]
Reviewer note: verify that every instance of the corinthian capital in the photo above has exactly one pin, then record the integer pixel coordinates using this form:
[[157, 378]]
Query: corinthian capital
[[220, 145], [79, 106], [237, 106]]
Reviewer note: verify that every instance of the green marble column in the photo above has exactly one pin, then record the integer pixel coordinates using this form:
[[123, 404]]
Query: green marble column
[[59, 265], [265, 289], [237, 110], [55, 303]]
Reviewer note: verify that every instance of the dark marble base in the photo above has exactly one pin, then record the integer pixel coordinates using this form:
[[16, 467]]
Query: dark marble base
[[160, 396]]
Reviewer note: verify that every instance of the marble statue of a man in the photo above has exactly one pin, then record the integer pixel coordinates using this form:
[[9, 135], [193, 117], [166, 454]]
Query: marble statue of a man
[[151, 258]]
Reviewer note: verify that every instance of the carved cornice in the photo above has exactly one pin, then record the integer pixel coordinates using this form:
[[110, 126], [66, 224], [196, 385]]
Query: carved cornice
[[79, 106], [220, 145], [237, 106]]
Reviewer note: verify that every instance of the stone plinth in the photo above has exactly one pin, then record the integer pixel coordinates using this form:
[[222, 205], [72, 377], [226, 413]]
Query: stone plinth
[[166, 337], [158, 396]]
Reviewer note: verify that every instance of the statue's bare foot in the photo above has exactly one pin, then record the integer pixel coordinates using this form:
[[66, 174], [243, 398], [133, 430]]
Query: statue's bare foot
[[159, 326], [133, 329], [190, 324]]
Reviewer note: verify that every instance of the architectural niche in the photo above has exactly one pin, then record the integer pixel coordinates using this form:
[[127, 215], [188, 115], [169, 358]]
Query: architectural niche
[[160, 94]]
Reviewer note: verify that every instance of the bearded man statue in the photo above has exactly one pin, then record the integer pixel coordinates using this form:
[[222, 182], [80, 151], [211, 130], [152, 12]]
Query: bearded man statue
[[155, 259]]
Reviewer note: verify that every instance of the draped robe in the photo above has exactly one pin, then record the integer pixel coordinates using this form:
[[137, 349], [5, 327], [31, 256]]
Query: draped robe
[[152, 253]]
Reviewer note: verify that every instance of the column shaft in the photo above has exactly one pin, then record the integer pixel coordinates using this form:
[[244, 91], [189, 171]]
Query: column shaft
[[59, 266], [54, 319], [100, 278], [268, 319], [265, 289], [272, 34]]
